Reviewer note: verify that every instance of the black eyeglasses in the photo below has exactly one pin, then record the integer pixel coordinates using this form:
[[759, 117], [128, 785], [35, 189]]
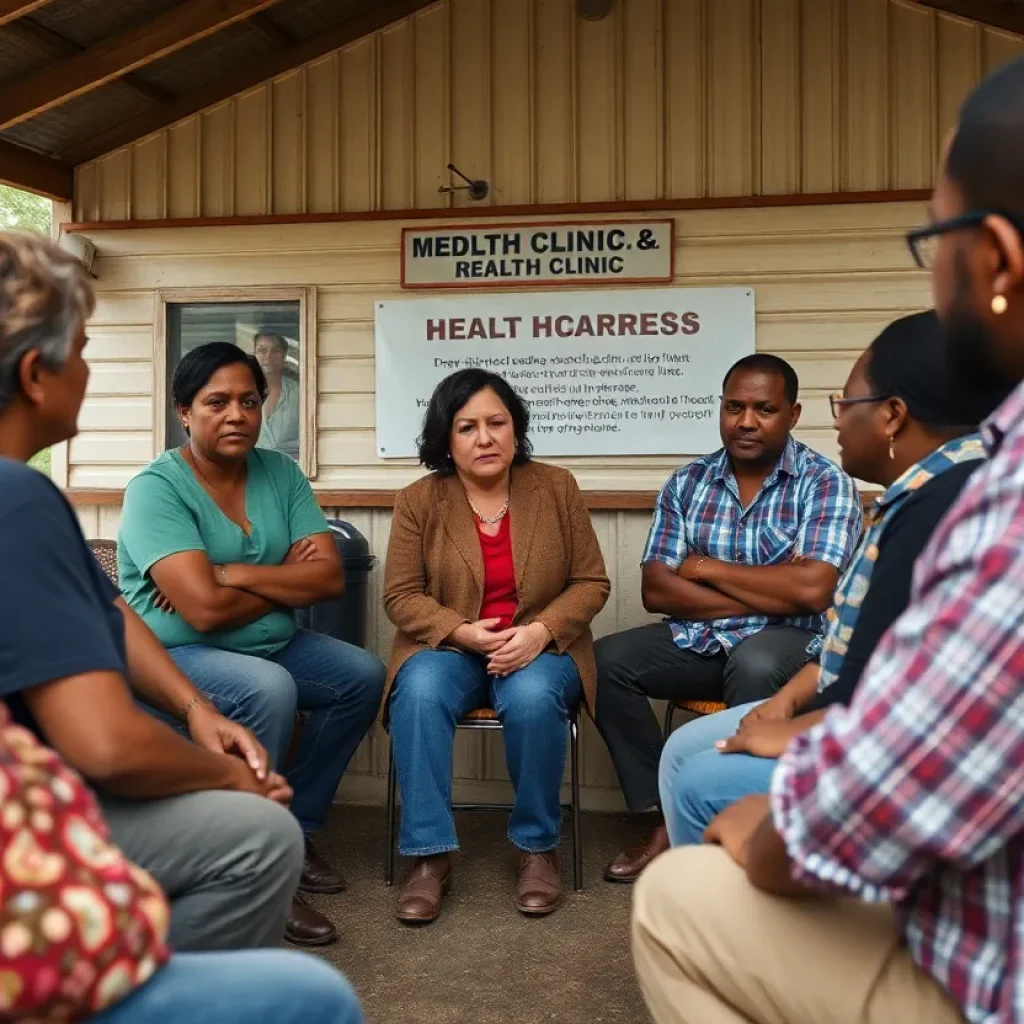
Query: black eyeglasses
[[924, 242], [837, 403]]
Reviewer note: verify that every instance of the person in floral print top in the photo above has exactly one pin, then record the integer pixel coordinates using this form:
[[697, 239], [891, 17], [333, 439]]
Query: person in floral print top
[[83, 929], [80, 926]]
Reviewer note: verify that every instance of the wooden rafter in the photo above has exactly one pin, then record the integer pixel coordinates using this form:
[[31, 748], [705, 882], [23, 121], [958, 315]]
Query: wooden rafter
[[33, 172], [382, 15], [271, 31], [55, 45], [1003, 14], [12, 9], [123, 53]]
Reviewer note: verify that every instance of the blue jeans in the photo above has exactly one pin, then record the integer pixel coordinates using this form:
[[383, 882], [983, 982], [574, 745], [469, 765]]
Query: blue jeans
[[433, 690], [339, 684], [245, 987], [696, 781]]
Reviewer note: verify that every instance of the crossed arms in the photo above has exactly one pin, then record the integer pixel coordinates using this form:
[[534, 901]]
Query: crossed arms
[[211, 598], [729, 590]]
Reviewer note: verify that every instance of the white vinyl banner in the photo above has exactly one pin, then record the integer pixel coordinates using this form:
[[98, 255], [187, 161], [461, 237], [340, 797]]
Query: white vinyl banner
[[606, 373]]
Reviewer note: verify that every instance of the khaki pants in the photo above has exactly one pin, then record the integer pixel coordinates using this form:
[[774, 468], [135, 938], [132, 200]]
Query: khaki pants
[[709, 948]]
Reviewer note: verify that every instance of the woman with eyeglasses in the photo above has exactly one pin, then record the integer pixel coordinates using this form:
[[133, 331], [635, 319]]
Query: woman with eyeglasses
[[906, 426]]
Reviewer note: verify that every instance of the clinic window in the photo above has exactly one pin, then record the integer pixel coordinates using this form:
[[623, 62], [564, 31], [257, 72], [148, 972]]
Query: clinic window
[[272, 330]]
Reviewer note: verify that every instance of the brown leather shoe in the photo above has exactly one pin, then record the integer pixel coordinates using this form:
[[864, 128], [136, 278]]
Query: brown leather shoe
[[317, 874], [308, 927], [628, 865], [426, 887], [540, 884]]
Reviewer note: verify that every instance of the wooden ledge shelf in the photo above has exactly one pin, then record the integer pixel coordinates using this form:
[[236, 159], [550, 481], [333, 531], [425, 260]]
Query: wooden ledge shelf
[[469, 213], [606, 501], [610, 500]]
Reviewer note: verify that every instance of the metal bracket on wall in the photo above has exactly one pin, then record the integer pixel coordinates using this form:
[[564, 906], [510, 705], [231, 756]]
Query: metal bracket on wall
[[476, 188], [594, 10]]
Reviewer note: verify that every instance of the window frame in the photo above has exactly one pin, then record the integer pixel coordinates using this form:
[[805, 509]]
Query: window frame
[[308, 389]]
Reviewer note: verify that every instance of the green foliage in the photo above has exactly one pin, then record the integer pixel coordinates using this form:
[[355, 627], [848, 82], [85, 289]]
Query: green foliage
[[41, 462], [24, 211]]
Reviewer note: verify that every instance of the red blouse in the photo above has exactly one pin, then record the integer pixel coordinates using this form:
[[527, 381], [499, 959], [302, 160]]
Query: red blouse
[[500, 597]]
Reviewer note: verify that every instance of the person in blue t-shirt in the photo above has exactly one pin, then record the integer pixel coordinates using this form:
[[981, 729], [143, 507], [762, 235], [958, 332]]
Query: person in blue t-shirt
[[205, 818]]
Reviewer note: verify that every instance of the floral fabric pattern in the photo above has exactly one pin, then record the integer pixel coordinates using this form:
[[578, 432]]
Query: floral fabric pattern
[[80, 925]]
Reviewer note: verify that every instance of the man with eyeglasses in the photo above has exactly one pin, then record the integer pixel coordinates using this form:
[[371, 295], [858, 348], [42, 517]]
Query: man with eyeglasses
[[742, 560], [898, 821]]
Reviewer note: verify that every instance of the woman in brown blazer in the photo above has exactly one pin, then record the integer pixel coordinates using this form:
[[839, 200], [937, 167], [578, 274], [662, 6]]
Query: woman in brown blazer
[[493, 576]]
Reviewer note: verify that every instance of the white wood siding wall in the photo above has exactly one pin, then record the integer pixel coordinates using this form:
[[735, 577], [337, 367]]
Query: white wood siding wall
[[662, 99], [825, 280]]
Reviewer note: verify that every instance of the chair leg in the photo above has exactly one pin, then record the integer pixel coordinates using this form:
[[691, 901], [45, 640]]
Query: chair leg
[[670, 713], [577, 841], [389, 857]]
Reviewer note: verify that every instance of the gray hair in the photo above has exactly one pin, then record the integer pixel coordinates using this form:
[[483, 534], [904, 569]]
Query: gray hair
[[45, 297]]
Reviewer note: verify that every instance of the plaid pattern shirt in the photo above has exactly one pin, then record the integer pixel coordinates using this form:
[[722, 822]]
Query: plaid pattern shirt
[[807, 506], [853, 587], [915, 793]]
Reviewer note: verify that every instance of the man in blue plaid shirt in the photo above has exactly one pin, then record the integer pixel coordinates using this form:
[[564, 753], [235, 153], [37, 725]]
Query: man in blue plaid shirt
[[743, 557]]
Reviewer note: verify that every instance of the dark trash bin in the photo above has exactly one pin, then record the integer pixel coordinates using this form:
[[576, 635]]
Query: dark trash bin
[[345, 617]]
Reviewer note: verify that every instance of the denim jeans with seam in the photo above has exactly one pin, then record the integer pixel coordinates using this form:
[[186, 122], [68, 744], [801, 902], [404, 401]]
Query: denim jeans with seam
[[432, 691], [267, 986], [339, 684], [696, 781]]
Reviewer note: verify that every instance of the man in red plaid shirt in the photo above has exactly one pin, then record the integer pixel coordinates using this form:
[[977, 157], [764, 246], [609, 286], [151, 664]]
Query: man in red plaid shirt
[[898, 820]]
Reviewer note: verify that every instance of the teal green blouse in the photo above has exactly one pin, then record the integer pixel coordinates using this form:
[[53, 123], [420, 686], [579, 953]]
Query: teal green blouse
[[167, 511]]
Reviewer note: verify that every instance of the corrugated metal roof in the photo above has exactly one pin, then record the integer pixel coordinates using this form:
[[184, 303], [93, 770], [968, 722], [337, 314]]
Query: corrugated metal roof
[[203, 62], [17, 58], [63, 28], [304, 18], [51, 131], [88, 22]]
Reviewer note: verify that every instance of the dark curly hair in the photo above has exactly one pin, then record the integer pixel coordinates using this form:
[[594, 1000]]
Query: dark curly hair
[[198, 366], [448, 398]]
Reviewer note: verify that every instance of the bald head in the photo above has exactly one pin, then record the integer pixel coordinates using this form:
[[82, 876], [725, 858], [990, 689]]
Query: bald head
[[978, 266], [986, 154]]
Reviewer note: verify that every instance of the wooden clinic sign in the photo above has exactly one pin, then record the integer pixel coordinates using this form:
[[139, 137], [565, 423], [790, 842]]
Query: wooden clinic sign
[[565, 253]]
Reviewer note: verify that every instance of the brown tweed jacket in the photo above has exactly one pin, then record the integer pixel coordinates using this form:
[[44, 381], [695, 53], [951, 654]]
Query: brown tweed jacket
[[434, 573]]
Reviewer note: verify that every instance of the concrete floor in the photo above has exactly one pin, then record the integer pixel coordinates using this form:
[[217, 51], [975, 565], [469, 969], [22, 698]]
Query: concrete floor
[[481, 961]]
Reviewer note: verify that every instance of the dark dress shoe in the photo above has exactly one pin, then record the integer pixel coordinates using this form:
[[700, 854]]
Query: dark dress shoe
[[317, 874], [628, 865], [540, 884], [308, 927], [420, 899]]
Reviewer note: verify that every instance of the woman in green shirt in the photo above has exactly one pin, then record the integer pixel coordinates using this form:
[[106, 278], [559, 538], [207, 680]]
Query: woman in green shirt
[[220, 542]]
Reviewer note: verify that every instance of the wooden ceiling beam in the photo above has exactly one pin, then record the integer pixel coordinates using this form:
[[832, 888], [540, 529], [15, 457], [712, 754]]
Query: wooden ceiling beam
[[34, 172], [55, 45], [1007, 15], [271, 31], [13, 9], [121, 54], [148, 122]]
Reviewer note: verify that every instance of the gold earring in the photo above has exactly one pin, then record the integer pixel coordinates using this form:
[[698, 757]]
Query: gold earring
[[999, 304], [892, 447]]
